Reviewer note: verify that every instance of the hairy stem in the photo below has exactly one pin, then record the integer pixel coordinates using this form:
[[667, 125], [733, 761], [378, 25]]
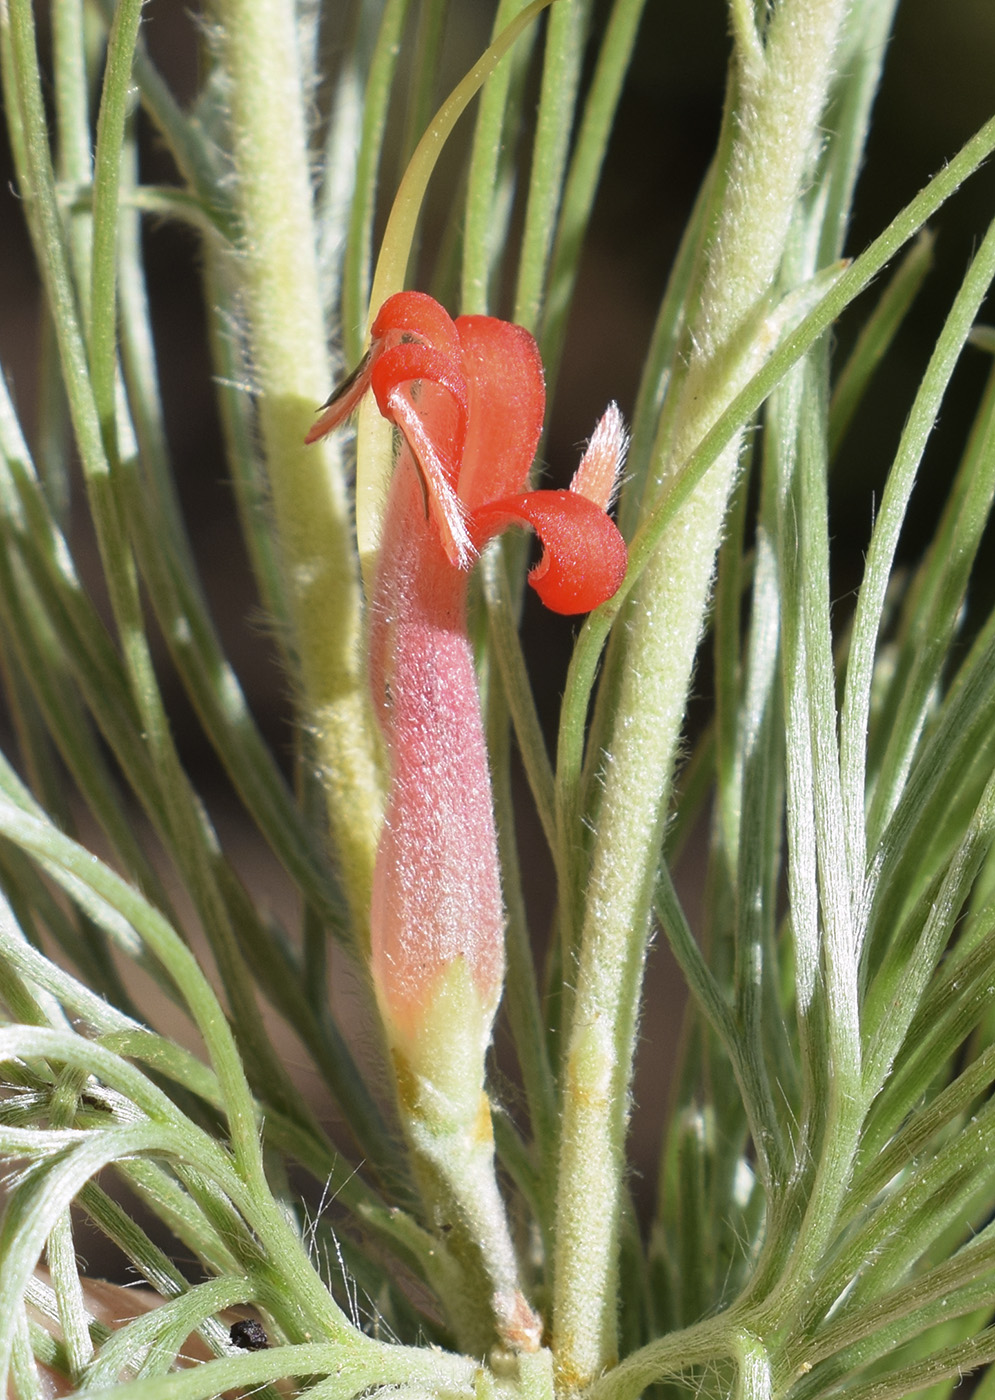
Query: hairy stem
[[278, 271], [779, 100]]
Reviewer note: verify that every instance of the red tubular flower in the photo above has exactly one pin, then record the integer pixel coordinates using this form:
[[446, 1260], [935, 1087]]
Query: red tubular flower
[[468, 398]]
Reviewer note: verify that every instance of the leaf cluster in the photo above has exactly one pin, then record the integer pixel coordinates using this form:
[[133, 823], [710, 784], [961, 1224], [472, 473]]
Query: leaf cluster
[[822, 1220]]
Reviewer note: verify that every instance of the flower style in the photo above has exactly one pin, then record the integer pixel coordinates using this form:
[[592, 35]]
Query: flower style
[[468, 399]]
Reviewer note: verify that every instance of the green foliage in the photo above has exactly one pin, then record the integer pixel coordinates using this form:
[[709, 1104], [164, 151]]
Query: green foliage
[[822, 1223]]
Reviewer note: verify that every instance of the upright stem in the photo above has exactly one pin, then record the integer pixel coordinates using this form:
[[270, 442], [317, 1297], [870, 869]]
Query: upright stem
[[780, 93], [278, 273]]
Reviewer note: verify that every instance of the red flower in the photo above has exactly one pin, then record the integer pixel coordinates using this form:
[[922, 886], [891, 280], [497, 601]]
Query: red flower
[[469, 400]]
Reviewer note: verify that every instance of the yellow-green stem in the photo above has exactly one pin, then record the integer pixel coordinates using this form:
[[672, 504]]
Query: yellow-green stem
[[780, 95], [278, 273]]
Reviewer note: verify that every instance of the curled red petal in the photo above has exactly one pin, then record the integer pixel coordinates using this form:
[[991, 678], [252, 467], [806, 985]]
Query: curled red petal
[[406, 319], [441, 503], [415, 315], [418, 366], [507, 404], [584, 557], [423, 391]]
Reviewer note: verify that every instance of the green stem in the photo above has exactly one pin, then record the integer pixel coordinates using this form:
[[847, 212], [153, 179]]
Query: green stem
[[376, 100], [282, 299], [362, 1366], [778, 113], [75, 156], [560, 77], [671, 1357], [582, 179], [114, 105], [486, 184]]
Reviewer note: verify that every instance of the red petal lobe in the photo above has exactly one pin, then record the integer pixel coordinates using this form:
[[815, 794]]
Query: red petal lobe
[[415, 367], [584, 557], [408, 315], [507, 404]]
